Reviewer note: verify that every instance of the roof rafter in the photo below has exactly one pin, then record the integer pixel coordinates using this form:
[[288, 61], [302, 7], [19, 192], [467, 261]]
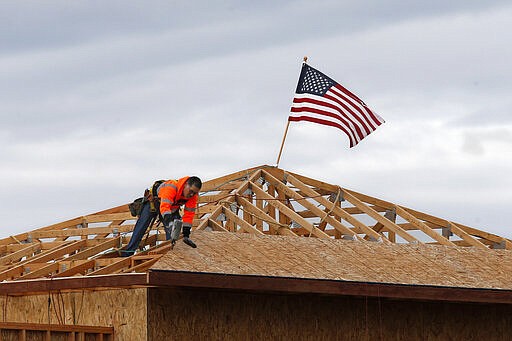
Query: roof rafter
[[259, 200]]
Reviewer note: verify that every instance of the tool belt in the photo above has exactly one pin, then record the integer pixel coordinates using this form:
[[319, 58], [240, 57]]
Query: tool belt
[[151, 196], [154, 201], [136, 207]]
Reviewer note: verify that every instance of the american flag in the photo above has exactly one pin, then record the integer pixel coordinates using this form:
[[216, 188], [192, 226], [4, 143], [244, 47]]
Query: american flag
[[320, 99]]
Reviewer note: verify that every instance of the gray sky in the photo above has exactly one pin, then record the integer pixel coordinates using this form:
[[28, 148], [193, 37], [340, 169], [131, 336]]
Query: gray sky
[[100, 98]]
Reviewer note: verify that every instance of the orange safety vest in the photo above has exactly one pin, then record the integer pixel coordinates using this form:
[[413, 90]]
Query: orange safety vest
[[171, 197]]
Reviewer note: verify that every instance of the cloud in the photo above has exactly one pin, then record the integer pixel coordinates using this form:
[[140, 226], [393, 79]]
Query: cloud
[[480, 141], [94, 113]]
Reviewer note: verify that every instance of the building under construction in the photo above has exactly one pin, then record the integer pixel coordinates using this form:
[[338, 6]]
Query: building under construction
[[279, 256]]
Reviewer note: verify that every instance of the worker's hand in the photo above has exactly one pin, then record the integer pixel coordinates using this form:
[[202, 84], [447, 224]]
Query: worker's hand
[[167, 221]]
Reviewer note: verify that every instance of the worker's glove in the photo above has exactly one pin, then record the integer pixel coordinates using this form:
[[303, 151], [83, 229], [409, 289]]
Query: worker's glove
[[167, 226], [186, 237], [167, 220]]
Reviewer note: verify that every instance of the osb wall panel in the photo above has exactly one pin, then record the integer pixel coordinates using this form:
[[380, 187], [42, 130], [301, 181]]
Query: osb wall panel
[[241, 253], [217, 315], [123, 309]]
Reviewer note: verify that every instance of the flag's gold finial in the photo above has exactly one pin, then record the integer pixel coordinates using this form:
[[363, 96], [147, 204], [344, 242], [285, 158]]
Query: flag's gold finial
[[305, 59]]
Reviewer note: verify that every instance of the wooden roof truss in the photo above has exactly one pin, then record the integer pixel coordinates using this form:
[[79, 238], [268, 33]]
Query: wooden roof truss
[[260, 200], [270, 200]]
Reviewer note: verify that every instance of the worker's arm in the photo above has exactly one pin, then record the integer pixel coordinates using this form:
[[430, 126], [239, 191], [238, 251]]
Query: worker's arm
[[167, 194], [189, 211]]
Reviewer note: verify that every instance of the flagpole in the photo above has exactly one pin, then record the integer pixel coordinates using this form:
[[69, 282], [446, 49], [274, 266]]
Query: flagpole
[[305, 60], [282, 144]]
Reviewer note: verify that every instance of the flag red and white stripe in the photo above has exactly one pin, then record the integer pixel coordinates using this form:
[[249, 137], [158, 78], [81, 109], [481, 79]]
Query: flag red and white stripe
[[319, 99]]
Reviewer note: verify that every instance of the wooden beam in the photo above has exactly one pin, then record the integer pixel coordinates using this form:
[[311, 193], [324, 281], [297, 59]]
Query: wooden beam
[[42, 258], [438, 221], [122, 263], [25, 252], [291, 214], [100, 218], [233, 184], [145, 265], [10, 248], [78, 269], [271, 209], [259, 207], [370, 200], [93, 251], [46, 285], [420, 225], [464, 232], [202, 225], [161, 248], [205, 209], [239, 221], [81, 231], [375, 215], [337, 210], [485, 235], [281, 196], [59, 252], [206, 221], [279, 173], [465, 236], [215, 184], [305, 203], [261, 284], [355, 210], [210, 221], [63, 225], [42, 272], [50, 268], [216, 226], [264, 217], [246, 216], [207, 199]]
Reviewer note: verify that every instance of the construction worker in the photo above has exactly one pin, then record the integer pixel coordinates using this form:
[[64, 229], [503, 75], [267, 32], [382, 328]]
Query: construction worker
[[166, 198]]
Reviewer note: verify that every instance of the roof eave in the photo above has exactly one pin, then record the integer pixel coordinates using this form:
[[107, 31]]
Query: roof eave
[[254, 283], [257, 284]]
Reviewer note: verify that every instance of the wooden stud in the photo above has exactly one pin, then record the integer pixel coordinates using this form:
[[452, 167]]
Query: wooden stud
[[264, 217], [465, 236], [291, 214], [25, 252], [81, 231], [42, 272], [239, 221], [421, 226], [375, 215], [301, 200], [216, 226], [337, 210], [144, 266], [79, 269], [115, 267]]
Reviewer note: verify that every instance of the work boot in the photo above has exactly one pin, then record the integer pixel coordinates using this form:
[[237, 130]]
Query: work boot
[[126, 253], [189, 242]]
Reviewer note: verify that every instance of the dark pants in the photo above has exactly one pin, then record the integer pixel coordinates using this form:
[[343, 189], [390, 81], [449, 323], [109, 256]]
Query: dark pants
[[142, 224]]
